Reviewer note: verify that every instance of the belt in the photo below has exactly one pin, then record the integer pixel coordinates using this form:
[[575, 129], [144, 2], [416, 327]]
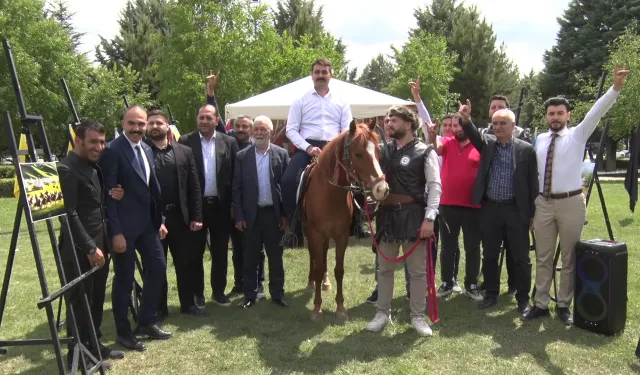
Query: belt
[[562, 195], [394, 199], [265, 208], [316, 143], [210, 200], [501, 201], [169, 207]]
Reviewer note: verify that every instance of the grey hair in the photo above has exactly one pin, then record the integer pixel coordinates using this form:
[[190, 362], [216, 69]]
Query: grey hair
[[265, 120], [243, 117]]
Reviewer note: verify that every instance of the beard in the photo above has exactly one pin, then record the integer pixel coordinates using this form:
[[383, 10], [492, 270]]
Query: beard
[[460, 137], [157, 134], [397, 133], [556, 125], [261, 142]]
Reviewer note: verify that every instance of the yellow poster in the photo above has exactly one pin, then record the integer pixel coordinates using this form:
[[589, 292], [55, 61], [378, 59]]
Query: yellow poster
[[42, 189]]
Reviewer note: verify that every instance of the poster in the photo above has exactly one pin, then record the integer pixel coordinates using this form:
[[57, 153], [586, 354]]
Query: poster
[[42, 189], [587, 175]]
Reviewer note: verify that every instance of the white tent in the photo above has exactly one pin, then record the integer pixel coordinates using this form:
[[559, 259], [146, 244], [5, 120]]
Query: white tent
[[275, 104]]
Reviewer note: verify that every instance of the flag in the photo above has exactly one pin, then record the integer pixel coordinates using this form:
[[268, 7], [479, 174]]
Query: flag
[[631, 177], [72, 133], [174, 132], [22, 159]]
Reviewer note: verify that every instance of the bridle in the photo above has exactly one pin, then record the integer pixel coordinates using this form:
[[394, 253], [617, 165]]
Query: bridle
[[345, 163]]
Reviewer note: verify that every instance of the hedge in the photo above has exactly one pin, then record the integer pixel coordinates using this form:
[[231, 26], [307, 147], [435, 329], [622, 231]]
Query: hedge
[[7, 171], [6, 187]]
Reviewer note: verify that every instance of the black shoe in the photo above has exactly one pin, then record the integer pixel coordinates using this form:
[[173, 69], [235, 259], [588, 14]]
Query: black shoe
[[193, 310], [524, 307], [260, 294], [565, 315], [512, 291], [153, 331], [108, 353], [248, 303], [373, 298], [131, 343], [199, 301], [222, 300], [488, 302], [235, 292], [280, 302], [535, 313]]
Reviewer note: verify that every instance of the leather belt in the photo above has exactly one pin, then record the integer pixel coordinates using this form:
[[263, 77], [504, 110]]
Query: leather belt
[[562, 195], [393, 199], [210, 200], [504, 201], [316, 143]]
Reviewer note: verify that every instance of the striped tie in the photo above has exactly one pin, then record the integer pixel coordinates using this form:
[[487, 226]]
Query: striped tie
[[548, 167]]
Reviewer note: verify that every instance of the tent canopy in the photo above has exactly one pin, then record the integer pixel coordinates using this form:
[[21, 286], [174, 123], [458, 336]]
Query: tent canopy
[[275, 104]]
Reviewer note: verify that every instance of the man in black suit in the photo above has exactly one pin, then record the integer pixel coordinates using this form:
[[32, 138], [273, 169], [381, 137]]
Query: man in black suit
[[135, 222], [259, 214], [506, 186], [182, 208], [84, 195], [214, 154]]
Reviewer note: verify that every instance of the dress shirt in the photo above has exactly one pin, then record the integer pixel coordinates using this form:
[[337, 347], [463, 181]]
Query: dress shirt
[[209, 160], [167, 173], [263, 167], [568, 154], [500, 184], [424, 115], [318, 118], [433, 188], [144, 155]]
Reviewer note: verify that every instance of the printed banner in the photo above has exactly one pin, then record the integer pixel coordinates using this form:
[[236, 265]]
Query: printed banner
[[42, 189]]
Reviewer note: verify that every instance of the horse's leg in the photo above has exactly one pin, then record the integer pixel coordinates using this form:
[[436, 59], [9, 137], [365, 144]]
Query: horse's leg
[[316, 243], [310, 283], [326, 283], [341, 247]]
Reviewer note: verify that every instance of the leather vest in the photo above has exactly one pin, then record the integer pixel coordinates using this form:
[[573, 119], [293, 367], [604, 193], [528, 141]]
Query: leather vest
[[404, 168]]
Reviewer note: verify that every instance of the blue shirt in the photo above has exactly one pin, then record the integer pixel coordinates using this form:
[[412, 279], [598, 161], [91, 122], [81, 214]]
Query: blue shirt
[[500, 185], [263, 167]]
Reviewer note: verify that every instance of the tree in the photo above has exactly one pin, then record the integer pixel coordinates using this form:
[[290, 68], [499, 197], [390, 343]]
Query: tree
[[60, 12], [377, 74], [482, 68], [587, 28], [424, 55]]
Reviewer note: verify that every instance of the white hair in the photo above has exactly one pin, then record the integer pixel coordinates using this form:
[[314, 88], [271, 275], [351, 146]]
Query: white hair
[[264, 120], [505, 112]]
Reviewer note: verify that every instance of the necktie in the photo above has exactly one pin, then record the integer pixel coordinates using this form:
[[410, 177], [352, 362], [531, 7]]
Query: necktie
[[548, 167], [141, 162]]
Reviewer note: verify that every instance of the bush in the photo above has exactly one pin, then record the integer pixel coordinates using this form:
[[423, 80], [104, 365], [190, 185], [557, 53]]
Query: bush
[[622, 164], [7, 171], [6, 187]]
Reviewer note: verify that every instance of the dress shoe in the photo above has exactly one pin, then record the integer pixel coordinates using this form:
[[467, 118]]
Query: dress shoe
[[524, 307], [487, 302], [153, 331], [221, 301], [199, 301], [131, 343], [248, 303], [281, 302], [235, 292], [193, 310], [108, 353], [565, 315], [535, 313]]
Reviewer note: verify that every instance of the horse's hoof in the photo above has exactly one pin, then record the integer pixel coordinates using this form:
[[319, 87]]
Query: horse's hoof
[[342, 315], [326, 286], [316, 316]]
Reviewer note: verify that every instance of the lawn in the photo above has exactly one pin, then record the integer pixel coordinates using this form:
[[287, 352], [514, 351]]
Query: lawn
[[270, 340]]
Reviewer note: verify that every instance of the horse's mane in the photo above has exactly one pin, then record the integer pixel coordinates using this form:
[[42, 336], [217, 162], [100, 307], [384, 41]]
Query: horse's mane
[[328, 158]]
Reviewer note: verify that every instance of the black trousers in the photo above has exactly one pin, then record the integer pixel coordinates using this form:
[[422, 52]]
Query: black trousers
[[452, 219], [238, 261], [356, 226], [264, 233], [508, 259], [216, 219], [180, 241], [498, 220], [95, 287]]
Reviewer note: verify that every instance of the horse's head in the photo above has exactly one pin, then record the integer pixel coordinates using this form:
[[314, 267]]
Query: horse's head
[[361, 154]]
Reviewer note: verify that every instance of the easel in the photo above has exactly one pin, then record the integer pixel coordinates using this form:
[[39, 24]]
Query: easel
[[80, 352], [596, 179], [136, 294]]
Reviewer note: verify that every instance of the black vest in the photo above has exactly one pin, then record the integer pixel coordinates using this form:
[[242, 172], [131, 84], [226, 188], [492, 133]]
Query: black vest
[[404, 168]]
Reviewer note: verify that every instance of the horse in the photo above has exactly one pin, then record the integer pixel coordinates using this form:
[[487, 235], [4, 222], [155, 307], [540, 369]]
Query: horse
[[346, 164]]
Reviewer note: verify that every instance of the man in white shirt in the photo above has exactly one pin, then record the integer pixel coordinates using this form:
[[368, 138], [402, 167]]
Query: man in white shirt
[[316, 118], [560, 208]]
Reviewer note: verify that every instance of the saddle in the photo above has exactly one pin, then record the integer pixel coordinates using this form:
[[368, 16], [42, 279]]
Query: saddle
[[302, 188]]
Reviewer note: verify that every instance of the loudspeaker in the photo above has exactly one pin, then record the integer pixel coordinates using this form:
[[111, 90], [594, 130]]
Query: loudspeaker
[[600, 303]]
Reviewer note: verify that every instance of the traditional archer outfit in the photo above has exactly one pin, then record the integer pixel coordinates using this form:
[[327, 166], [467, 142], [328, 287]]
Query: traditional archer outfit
[[413, 175]]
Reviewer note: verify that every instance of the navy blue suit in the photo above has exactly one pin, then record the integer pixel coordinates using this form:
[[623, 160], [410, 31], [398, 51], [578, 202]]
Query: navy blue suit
[[138, 217]]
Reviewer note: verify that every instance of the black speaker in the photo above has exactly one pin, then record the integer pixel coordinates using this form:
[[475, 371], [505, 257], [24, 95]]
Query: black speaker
[[600, 303]]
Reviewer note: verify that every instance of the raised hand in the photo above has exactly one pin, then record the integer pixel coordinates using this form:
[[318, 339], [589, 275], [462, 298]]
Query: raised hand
[[465, 111], [619, 77], [415, 88], [212, 81]]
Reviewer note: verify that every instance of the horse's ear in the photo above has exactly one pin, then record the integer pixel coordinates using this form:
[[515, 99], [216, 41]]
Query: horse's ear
[[352, 126], [372, 124]]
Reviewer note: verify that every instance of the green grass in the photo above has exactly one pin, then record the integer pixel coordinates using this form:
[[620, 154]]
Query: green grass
[[270, 340]]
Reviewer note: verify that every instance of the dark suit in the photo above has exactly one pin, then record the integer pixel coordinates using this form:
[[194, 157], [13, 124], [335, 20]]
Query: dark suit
[[262, 221], [81, 184], [216, 211], [138, 216], [510, 217], [180, 209]]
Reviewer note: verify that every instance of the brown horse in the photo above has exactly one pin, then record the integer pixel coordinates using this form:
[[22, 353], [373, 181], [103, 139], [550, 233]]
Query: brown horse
[[351, 158]]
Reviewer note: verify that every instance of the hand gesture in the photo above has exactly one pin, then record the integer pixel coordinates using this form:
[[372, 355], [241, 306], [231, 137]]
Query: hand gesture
[[415, 88], [465, 111], [212, 81], [619, 76]]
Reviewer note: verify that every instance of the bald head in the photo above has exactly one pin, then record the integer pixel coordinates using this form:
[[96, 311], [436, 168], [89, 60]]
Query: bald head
[[503, 122], [134, 123], [207, 120], [505, 113]]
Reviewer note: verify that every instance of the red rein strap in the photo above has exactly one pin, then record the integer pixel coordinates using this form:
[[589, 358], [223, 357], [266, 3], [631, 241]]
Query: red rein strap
[[432, 300]]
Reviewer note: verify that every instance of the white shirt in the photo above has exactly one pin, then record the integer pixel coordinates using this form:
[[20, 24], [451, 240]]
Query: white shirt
[[318, 118], [144, 156], [209, 160], [569, 148]]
